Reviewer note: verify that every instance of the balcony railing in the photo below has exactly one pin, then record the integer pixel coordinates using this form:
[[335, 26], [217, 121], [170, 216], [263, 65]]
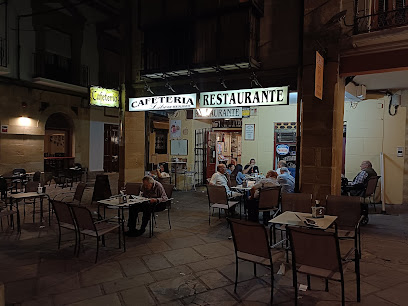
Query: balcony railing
[[3, 52], [381, 20], [59, 68]]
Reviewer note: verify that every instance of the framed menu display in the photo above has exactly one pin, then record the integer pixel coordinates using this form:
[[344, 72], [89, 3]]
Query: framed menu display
[[249, 132]]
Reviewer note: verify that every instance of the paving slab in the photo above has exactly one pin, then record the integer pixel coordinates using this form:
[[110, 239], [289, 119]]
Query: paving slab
[[213, 297], [156, 262], [173, 272], [101, 273], [110, 299], [133, 266], [212, 250], [127, 283], [137, 296], [77, 295], [213, 279], [182, 256]]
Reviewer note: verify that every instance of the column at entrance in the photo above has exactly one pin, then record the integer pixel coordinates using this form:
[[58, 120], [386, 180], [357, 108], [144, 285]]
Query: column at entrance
[[322, 129], [133, 149]]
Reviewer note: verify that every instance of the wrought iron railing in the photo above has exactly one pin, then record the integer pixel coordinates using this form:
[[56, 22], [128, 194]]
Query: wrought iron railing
[[60, 68], [3, 52], [381, 20]]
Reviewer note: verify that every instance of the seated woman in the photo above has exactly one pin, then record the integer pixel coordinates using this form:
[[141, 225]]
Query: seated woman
[[230, 168], [238, 175], [161, 172]]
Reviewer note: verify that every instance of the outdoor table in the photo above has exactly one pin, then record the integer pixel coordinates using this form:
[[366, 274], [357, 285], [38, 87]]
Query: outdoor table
[[175, 171], [114, 202], [31, 195], [244, 191], [291, 218]]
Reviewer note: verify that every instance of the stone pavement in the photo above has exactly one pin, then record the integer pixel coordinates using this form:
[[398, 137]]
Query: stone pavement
[[190, 264]]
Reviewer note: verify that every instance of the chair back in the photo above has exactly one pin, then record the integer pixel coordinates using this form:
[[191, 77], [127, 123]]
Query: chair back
[[315, 248], [250, 238], [3, 184], [102, 188], [168, 188], [217, 194], [133, 188], [83, 218], [300, 202], [63, 212], [37, 176], [347, 209], [79, 192], [371, 186], [19, 171], [269, 197], [31, 186]]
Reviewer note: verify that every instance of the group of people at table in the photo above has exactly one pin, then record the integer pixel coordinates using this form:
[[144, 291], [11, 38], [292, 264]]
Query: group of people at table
[[274, 178]]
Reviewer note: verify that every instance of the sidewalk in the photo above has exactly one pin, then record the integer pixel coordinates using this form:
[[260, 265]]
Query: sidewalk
[[191, 264]]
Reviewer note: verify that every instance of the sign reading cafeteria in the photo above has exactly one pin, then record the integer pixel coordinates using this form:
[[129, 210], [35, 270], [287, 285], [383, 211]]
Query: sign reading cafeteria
[[245, 97], [217, 113], [162, 102], [104, 97]]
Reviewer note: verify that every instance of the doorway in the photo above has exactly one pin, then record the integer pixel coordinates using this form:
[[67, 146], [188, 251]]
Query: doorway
[[111, 148]]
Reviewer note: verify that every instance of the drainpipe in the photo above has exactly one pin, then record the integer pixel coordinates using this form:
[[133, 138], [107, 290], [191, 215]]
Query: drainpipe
[[18, 47], [6, 28], [300, 95]]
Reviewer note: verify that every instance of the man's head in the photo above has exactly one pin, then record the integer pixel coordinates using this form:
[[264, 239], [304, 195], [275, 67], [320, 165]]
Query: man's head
[[148, 182], [284, 170], [271, 173], [365, 164], [161, 167], [221, 168], [252, 161], [281, 164], [231, 167]]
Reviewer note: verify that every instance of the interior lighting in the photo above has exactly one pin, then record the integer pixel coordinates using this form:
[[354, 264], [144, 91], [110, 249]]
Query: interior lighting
[[24, 121], [204, 112]]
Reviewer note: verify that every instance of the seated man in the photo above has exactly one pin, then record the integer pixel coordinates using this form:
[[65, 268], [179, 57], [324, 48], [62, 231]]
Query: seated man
[[357, 186], [220, 179], [155, 192], [281, 163], [252, 204], [286, 180], [251, 168]]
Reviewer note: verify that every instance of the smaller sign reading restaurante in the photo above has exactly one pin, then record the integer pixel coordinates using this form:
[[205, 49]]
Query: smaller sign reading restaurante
[[162, 102], [104, 97], [217, 113]]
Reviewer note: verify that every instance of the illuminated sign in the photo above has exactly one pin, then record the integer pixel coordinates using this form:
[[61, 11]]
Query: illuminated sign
[[104, 97], [282, 149], [245, 97], [217, 113], [163, 102]]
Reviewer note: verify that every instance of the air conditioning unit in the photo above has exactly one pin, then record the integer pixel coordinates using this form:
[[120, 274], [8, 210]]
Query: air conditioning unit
[[355, 93]]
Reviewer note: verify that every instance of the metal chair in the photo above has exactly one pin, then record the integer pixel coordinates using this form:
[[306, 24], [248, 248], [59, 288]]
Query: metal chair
[[22, 178], [9, 213], [30, 187], [217, 198], [269, 199], [133, 188], [76, 195], [348, 212], [65, 220], [317, 253], [87, 226], [168, 188], [251, 244], [369, 191]]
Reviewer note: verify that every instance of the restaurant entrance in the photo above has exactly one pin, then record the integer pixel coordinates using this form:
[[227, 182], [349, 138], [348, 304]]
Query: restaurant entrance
[[58, 143]]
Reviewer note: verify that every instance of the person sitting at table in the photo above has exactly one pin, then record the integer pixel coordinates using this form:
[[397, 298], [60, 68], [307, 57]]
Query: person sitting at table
[[357, 186], [230, 168], [155, 192], [252, 204], [220, 179], [286, 180], [161, 172], [251, 168], [237, 175], [281, 163]]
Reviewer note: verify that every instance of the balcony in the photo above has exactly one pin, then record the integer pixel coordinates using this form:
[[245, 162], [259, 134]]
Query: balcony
[[3, 57], [59, 71], [381, 20]]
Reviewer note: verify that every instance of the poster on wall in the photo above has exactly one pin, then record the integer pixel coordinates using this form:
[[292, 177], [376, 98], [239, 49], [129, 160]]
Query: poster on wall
[[249, 131], [4, 129], [175, 129]]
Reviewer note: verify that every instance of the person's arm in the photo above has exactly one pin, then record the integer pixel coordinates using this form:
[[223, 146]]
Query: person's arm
[[158, 173], [246, 169], [161, 195], [213, 180]]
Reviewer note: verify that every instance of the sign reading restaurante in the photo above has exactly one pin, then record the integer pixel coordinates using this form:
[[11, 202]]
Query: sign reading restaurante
[[246, 97], [217, 113], [162, 102], [104, 97]]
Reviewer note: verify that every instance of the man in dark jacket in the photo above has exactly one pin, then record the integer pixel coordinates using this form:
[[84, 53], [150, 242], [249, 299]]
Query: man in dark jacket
[[357, 186]]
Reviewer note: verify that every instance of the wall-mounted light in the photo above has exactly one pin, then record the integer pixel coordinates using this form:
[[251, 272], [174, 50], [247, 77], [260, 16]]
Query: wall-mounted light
[[24, 121], [169, 87], [194, 85]]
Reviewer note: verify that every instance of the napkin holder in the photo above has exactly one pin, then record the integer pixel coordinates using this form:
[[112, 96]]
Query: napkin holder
[[318, 212]]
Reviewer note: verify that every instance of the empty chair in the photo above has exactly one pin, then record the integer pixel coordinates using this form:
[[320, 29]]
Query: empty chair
[[317, 253], [37, 176], [73, 197], [251, 244], [65, 220], [300, 202], [217, 198], [102, 188], [269, 199], [31, 187], [4, 188], [8, 213], [348, 212], [21, 180], [87, 226], [133, 188]]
